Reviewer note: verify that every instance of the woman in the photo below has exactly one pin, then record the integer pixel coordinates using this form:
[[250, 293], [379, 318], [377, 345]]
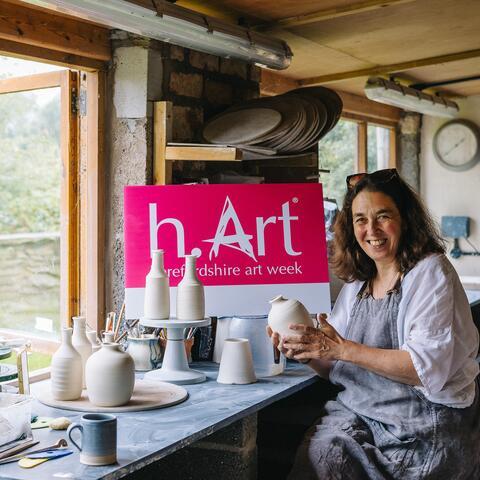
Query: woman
[[400, 343]]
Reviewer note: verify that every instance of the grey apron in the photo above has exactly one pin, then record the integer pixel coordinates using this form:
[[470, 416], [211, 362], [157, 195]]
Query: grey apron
[[381, 429]]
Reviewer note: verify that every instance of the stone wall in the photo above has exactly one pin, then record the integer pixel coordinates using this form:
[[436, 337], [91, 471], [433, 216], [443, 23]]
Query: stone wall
[[408, 148]]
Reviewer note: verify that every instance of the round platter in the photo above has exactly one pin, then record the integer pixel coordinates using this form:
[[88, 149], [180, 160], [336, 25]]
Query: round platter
[[241, 126], [146, 396]]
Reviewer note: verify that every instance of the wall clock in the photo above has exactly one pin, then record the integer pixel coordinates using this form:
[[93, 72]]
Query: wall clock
[[456, 145]]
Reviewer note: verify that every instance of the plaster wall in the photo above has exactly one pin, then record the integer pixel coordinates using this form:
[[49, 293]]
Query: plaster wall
[[447, 192]]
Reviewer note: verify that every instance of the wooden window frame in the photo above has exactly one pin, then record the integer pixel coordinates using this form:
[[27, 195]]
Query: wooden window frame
[[82, 197]]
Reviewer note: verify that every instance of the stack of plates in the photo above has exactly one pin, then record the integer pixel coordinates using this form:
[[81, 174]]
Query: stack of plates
[[286, 124]]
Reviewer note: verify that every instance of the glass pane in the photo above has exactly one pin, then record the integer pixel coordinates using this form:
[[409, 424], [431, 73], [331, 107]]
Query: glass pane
[[338, 153], [15, 67], [378, 148], [30, 178]]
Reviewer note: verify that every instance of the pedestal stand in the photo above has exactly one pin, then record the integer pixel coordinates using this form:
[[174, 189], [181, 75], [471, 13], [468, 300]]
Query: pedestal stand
[[175, 367]]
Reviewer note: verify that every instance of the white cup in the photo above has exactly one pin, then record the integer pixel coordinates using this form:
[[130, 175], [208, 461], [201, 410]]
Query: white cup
[[236, 364]]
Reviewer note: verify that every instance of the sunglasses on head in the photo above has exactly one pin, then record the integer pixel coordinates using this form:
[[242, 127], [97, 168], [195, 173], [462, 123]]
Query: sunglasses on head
[[380, 176]]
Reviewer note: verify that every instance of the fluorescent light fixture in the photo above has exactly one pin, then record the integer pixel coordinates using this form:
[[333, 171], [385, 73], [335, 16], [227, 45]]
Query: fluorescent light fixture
[[391, 93], [170, 23]]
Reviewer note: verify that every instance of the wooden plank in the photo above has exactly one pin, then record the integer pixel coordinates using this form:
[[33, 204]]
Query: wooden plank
[[162, 134], [69, 208], [335, 12], [392, 159], [365, 118], [394, 67], [362, 147], [95, 201], [274, 84], [53, 31], [207, 153], [30, 52], [30, 82]]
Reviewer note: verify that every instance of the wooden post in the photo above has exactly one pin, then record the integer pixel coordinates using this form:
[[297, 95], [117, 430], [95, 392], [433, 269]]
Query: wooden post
[[392, 159], [162, 134], [362, 144]]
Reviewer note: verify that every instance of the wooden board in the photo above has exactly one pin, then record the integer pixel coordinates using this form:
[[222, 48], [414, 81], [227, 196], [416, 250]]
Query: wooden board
[[147, 395]]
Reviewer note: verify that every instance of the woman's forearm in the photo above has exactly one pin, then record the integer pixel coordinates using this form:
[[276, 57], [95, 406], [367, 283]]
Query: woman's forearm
[[394, 364], [322, 367]]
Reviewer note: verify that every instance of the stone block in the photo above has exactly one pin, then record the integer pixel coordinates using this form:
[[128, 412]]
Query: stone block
[[203, 61], [177, 53], [233, 67], [186, 84], [218, 93], [255, 73], [187, 123]]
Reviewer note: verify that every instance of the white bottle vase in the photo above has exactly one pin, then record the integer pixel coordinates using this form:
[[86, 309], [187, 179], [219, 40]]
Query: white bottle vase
[[66, 370], [110, 376], [80, 342], [157, 294], [190, 293], [285, 311]]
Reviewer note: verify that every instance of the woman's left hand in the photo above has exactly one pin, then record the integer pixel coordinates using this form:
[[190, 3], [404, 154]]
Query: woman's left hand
[[310, 343]]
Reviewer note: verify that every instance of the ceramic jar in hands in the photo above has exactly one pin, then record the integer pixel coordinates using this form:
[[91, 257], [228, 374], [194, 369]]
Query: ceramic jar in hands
[[286, 311], [110, 376]]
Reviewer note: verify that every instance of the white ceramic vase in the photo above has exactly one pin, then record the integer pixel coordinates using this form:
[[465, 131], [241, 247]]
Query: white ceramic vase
[[190, 293], [94, 341], [284, 311], [110, 376], [157, 294], [236, 365], [66, 370], [81, 342]]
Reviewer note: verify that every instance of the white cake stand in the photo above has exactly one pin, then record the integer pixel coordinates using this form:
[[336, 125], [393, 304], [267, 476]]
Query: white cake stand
[[175, 367]]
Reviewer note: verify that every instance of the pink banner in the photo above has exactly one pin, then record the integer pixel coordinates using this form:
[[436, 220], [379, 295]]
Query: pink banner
[[242, 234]]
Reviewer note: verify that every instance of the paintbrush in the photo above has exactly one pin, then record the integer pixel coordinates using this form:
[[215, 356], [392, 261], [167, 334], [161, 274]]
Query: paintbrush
[[119, 321]]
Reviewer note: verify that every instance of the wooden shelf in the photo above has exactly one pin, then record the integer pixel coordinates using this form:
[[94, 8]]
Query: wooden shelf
[[166, 152]]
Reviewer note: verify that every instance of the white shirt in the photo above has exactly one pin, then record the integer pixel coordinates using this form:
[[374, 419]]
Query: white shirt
[[434, 326]]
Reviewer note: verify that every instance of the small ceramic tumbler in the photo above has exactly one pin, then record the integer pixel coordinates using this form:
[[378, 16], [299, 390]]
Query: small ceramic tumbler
[[99, 438], [236, 364], [145, 351]]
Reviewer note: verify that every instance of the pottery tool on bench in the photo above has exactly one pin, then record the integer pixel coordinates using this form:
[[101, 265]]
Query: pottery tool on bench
[[61, 443], [35, 459]]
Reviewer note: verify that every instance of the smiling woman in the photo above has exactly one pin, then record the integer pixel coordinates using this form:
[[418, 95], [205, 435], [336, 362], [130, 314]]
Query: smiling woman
[[400, 344]]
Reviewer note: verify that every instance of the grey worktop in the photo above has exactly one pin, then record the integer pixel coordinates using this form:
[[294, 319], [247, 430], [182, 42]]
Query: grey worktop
[[145, 437]]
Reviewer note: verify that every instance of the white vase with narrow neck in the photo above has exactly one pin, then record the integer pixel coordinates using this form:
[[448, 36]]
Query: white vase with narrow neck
[[110, 375], [157, 294], [81, 342], [190, 293], [66, 370], [94, 341], [285, 311]]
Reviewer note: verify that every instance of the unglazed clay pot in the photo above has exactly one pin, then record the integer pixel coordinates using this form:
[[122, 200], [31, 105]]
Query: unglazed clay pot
[[81, 342], [110, 376], [66, 370], [157, 294], [285, 311], [190, 293]]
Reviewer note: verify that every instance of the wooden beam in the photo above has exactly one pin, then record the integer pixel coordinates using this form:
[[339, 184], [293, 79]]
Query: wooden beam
[[392, 159], [162, 134], [30, 52], [30, 82], [335, 12], [362, 147], [274, 84], [394, 67], [54, 32], [356, 105], [206, 153]]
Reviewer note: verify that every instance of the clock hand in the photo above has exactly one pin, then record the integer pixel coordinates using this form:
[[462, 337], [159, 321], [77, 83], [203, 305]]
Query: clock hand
[[455, 146]]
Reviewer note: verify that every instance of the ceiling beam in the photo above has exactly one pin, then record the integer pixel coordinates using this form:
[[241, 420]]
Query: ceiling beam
[[392, 68], [273, 84], [335, 12], [49, 30]]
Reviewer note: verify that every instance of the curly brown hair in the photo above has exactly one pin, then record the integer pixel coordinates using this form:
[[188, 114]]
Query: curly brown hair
[[419, 237]]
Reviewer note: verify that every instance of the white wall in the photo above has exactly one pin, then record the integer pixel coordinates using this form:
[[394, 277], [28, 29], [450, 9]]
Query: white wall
[[453, 193]]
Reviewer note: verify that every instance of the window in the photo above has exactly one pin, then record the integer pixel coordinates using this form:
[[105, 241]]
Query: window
[[51, 209]]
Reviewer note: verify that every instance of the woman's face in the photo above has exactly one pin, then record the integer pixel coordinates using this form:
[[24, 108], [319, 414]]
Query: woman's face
[[377, 225]]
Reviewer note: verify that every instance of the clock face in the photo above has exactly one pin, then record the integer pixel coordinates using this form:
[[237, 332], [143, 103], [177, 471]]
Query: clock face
[[457, 145]]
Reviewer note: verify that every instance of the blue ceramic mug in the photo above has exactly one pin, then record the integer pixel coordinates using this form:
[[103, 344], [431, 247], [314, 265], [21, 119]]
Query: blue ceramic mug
[[99, 438]]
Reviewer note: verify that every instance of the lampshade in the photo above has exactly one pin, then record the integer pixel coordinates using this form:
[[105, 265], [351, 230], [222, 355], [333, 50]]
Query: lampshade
[[391, 93], [170, 23]]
